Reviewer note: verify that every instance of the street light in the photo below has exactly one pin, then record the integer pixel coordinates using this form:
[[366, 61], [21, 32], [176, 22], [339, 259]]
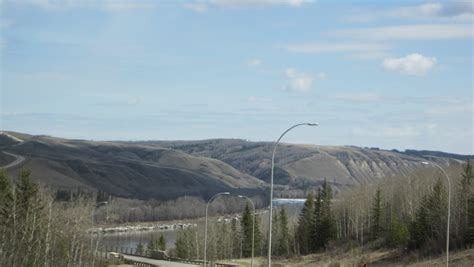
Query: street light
[[449, 205], [271, 189], [205, 231], [253, 226], [92, 226]]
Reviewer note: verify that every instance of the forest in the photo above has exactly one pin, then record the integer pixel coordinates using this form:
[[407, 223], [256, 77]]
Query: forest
[[406, 213]]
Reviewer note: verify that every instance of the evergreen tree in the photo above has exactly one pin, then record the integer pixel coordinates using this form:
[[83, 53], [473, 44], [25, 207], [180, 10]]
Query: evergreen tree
[[397, 233], [161, 243], [437, 206], [465, 194], [151, 245], [29, 206], [275, 234], [6, 200], [318, 217], [324, 229], [470, 223], [258, 237], [376, 224], [306, 223], [140, 249], [284, 235], [429, 225], [27, 195], [246, 226], [181, 247], [419, 226]]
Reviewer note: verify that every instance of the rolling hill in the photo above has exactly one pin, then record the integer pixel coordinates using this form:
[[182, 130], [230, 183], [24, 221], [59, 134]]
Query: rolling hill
[[301, 166], [132, 171], [169, 169]]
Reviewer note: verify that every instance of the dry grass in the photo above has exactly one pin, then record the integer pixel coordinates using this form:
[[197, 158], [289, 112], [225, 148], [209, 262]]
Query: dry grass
[[358, 258]]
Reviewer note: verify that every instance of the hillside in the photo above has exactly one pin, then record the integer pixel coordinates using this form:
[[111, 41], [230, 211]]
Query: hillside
[[133, 171], [165, 170], [308, 165]]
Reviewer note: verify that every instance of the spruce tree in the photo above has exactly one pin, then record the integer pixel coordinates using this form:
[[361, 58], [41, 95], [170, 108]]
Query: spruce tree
[[162, 243], [324, 229], [181, 246], [429, 224], [258, 237], [284, 235], [275, 233], [6, 200], [437, 206], [316, 235], [470, 223], [306, 223], [466, 193], [376, 224], [27, 195], [151, 245], [140, 249], [246, 226], [419, 226]]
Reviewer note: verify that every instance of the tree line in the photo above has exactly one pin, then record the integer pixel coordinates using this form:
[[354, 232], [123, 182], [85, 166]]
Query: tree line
[[408, 213], [35, 230]]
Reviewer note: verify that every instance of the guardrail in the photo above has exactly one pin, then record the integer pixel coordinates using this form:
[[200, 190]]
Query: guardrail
[[148, 254], [139, 263]]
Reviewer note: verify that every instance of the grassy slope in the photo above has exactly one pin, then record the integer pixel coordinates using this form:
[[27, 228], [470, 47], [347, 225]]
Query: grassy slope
[[127, 170], [463, 258], [303, 165]]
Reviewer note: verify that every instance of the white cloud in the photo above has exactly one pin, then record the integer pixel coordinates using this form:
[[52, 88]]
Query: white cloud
[[423, 10], [448, 11], [409, 32], [453, 109], [202, 6], [358, 50], [199, 7], [457, 10], [358, 97], [106, 5], [322, 75], [299, 81], [405, 131], [334, 47], [254, 62], [258, 3], [413, 64]]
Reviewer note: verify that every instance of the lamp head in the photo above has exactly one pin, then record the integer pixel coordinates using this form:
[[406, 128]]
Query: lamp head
[[226, 193], [425, 163], [240, 196], [312, 124]]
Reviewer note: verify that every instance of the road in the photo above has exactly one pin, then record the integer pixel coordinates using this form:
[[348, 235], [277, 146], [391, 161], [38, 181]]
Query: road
[[159, 262], [18, 160]]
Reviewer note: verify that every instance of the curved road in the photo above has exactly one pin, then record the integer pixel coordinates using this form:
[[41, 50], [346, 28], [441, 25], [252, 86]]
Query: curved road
[[18, 160], [160, 263]]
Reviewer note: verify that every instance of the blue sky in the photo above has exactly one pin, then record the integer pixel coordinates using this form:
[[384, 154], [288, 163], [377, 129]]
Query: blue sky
[[391, 75]]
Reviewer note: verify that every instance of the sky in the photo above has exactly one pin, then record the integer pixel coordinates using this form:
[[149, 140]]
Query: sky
[[387, 74]]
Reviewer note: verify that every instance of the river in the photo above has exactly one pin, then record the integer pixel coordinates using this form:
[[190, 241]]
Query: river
[[132, 239]]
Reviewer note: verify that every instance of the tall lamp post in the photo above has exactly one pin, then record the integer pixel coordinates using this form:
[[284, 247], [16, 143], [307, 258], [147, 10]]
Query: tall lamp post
[[92, 226], [205, 230], [271, 188], [449, 205], [253, 226]]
